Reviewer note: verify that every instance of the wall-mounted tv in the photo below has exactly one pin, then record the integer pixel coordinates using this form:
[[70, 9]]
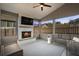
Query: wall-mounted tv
[[26, 21]]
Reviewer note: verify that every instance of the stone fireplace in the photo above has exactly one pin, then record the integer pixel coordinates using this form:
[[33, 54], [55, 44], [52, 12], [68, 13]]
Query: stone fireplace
[[26, 34], [24, 31]]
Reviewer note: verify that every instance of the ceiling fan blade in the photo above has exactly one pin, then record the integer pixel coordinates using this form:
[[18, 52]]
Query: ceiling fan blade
[[36, 6], [47, 5], [41, 3]]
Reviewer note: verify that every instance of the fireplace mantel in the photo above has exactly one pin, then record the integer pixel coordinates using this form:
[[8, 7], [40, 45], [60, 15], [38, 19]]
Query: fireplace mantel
[[26, 26]]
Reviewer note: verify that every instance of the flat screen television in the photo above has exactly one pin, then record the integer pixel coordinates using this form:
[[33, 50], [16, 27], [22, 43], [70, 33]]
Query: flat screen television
[[26, 21]]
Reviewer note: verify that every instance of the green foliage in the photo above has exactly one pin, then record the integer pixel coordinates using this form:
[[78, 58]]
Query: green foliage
[[58, 22], [50, 24], [76, 21]]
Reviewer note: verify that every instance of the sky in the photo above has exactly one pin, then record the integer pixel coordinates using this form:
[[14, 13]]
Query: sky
[[48, 21], [67, 19], [62, 20]]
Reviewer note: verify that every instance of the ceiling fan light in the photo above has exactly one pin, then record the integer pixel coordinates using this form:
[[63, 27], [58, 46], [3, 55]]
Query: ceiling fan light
[[41, 6]]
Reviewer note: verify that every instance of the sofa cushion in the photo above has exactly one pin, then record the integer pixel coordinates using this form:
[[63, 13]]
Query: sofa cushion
[[76, 39]]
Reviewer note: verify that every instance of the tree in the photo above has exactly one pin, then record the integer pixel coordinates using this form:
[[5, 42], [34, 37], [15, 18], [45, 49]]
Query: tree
[[76, 21], [71, 22], [58, 22]]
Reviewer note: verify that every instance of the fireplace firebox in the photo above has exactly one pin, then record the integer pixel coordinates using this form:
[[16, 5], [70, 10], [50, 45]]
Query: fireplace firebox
[[26, 34]]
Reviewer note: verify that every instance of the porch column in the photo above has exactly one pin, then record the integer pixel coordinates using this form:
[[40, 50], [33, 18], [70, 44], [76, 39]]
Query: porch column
[[39, 29], [54, 26]]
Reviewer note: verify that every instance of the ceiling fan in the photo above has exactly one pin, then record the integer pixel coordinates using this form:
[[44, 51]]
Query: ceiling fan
[[42, 5]]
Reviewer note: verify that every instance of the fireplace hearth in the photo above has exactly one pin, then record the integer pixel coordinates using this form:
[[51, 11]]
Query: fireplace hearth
[[26, 34]]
